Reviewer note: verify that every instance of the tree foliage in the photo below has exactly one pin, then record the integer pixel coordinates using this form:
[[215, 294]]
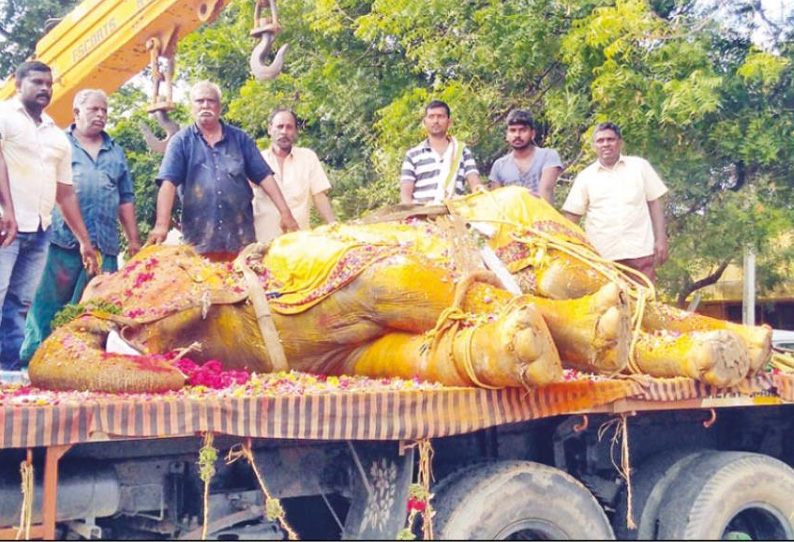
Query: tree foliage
[[22, 24], [704, 90]]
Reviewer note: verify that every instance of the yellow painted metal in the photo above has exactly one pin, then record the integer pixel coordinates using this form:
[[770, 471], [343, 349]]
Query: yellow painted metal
[[102, 44]]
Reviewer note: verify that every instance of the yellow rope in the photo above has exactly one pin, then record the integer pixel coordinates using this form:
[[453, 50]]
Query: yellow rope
[[273, 509], [207, 457], [451, 319], [26, 514], [630, 280], [468, 364], [621, 426], [635, 334]]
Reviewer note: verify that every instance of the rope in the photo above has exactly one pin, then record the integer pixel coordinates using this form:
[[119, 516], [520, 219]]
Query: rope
[[621, 426], [634, 282], [26, 513], [451, 319], [207, 457], [635, 334], [273, 509], [264, 319], [419, 495]]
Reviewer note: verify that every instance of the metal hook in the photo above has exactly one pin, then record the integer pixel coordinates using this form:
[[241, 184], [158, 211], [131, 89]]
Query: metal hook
[[266, 29], [262, 71], [165, 122]]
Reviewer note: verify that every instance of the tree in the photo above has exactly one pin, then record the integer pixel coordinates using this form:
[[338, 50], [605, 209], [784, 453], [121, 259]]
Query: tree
[[702, 88], [22, 24]]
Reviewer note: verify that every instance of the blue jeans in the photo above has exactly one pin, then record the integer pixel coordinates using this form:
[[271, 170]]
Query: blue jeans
[[21, 265]]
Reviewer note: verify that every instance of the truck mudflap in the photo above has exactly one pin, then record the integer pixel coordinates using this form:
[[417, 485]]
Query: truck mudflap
[[380, 486]]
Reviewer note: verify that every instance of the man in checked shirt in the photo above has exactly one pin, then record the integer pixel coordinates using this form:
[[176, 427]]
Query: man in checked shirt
[[104, 189], [439, 167]]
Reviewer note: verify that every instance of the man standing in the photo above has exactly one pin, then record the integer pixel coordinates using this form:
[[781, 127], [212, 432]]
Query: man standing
[[436, 169], [210, 163], [622, 197], [105, 192], [37, 165], [299, 175], [526, 165]]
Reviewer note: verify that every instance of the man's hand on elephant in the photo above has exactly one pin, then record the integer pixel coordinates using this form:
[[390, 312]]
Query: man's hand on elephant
[[157, 236], [288, 222], [89, 259]]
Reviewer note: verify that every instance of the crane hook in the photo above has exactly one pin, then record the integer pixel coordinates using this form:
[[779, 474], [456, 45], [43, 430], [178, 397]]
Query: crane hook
[[266, 29], [161, 47], [166, 123]]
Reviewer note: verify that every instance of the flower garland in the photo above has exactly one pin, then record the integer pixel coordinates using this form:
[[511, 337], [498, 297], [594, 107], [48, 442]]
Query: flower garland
[[274, 511], [206, 462], [419, 495]]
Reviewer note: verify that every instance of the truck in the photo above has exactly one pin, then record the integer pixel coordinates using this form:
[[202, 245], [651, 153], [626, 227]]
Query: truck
[[318, 458]]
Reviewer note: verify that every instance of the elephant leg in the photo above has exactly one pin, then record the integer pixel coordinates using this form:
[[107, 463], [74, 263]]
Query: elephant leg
[[74, 358], [757, 339], [592, 333], [515, 349], [719, 357]]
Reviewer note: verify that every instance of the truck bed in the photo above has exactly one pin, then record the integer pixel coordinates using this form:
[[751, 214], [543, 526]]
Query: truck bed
[[381, 410]]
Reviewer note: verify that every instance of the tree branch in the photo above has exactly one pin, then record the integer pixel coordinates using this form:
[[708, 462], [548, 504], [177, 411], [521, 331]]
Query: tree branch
[[702, 283]]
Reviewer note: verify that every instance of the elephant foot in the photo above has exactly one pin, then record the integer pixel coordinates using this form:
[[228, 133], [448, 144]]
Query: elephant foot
[[719, 358], [592, 333], [516, 349]]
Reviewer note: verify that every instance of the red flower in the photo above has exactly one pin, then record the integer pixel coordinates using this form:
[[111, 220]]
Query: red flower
[[416, 504]]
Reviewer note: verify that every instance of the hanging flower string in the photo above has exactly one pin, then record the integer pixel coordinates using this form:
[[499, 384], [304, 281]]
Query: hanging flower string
[[273, 509], [621, 426], [26, 514], [419, 495], [206, 462]]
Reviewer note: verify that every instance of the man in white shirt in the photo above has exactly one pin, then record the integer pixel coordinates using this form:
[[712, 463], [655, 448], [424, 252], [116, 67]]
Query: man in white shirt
[[36, 164], [300, 175], [622, 198], [439, 167]]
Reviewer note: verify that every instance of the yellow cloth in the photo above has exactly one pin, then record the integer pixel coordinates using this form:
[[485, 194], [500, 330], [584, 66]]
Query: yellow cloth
[[305, 267], [507, 211]]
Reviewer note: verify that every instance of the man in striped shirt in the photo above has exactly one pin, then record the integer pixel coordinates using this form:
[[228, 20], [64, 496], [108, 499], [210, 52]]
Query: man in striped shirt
[[439, 167]]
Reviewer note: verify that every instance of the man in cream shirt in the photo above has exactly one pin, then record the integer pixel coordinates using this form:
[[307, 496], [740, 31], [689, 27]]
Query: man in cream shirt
[[622, 198], [299, 174], [36, 163]]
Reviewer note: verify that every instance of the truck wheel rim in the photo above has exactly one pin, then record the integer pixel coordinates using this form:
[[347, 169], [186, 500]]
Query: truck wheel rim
[[532, 529], [758, 521]]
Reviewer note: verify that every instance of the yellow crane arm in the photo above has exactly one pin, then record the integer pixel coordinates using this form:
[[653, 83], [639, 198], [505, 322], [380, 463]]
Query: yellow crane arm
[[102, 44]]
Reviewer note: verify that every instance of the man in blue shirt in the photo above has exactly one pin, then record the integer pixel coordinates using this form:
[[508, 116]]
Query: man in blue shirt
[[210, 163], [104, 189]]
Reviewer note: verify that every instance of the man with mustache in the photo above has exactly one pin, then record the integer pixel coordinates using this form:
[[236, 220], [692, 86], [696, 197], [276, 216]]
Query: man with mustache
[[36, 163], [105, 191], [622, 198], [210, 164], [526, 165], [299, 174], [439, 167]]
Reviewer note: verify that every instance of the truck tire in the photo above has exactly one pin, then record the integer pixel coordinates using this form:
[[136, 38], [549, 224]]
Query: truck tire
[[649, 483], [729, 494], [517, 500]]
